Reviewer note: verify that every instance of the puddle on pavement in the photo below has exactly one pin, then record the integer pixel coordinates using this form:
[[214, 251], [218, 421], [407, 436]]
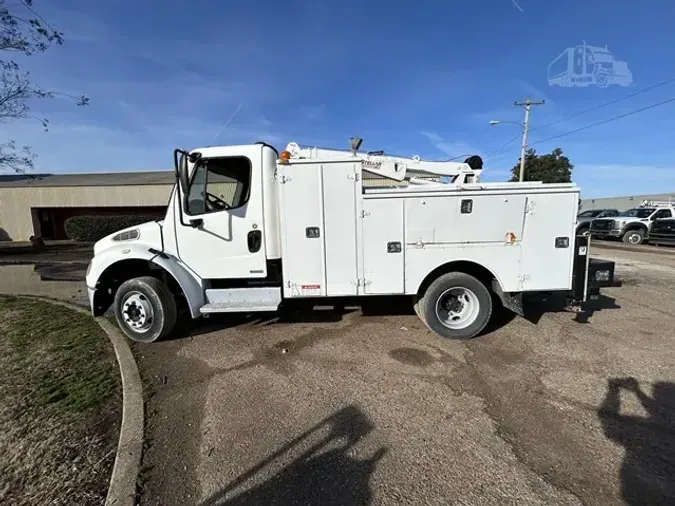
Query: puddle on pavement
[[412, 356], [59, 281]]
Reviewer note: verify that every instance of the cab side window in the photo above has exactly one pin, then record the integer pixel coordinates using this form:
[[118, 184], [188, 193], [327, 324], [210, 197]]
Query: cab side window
[[663, 213], [219, 184]]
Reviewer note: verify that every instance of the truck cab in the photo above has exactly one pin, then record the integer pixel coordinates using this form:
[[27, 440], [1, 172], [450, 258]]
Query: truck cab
[[248, 227]]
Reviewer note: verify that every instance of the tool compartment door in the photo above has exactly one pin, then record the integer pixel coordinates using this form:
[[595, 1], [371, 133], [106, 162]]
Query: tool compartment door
[[547, 260], [302, 230], [340, 189], [383, 246]]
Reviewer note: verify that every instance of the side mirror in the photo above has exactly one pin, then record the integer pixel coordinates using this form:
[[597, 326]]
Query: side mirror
[[180, 159]]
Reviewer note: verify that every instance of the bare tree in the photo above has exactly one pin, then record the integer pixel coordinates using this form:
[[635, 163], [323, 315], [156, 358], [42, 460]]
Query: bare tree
[[23, 31]]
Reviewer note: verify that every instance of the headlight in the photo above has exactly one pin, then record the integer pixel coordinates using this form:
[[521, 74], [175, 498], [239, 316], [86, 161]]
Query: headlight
[[620, 223], [129, 235]]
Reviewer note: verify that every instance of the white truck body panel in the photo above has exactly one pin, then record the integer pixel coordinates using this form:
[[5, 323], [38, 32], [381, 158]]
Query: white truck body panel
[[383, 224], [509, 229], [300, 198], [340, 213]]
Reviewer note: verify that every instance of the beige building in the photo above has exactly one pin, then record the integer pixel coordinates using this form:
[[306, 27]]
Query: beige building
[[40, 204]]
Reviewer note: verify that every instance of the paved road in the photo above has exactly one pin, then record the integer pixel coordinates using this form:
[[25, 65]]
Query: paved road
[[351, 408]]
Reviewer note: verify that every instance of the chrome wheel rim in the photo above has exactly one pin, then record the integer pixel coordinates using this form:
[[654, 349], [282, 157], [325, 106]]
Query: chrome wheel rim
[[634, 238], [137, 312], [457, 308]]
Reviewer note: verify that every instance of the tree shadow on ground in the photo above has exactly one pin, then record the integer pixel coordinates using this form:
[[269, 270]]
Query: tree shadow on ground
[[323, 473], [648, 470]]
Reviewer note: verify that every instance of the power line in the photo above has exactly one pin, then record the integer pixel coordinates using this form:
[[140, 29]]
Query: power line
[[503, 146], [608, 120], [600, 106]]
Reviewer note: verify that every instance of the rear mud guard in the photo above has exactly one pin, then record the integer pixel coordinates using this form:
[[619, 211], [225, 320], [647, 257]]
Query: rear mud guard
[[510, 300]]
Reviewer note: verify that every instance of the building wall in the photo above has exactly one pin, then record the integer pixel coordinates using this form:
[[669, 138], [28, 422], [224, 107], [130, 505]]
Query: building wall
[[623, 203], [17, 203]]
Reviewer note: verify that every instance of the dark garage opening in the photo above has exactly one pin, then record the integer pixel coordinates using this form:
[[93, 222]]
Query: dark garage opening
[[49, 222]]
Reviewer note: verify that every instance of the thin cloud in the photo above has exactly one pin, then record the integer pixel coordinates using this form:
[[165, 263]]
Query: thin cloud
[[450, 148], [515, 4]]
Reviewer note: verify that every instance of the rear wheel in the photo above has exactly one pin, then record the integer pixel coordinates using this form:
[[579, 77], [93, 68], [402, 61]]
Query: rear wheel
[[455, 306], [634, 237], [145, 309]]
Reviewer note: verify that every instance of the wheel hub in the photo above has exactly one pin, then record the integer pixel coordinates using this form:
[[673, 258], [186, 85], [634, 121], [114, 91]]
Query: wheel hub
[[137, 312], [454, 304], [457, 308]]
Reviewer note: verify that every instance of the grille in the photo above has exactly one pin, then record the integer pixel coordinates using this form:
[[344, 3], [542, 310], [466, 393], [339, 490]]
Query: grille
[[602, 224]]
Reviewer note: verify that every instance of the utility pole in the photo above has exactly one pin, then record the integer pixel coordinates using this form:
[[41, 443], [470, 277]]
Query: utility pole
[[527, 104]]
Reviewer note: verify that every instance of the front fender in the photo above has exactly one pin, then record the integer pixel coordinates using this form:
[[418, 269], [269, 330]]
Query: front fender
[[191, 284]]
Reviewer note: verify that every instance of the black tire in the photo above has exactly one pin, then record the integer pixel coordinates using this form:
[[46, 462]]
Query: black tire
[[634, 237], [154, 299], [584, 230], [437, 291]]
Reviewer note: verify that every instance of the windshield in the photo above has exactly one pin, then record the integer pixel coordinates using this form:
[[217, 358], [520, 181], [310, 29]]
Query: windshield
[[591, 214], [641, 212]]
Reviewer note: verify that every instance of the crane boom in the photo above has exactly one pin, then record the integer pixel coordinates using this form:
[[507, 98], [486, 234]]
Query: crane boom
[[393, 167]]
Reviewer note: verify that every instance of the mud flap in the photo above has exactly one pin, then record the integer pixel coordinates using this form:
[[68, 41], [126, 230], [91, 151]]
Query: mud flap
[[510, 300]]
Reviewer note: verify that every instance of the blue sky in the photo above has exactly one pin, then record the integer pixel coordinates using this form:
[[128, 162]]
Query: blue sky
[[409, 77]]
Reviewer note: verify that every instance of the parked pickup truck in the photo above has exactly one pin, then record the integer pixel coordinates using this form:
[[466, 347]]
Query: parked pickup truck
[[634, 225], [585, 218]]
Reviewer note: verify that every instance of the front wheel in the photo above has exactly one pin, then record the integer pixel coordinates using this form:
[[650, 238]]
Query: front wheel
[[634, 237], [145, 309], [456, 306]]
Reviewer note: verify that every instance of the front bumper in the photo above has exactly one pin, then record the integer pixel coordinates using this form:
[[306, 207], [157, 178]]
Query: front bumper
[[612, 232]]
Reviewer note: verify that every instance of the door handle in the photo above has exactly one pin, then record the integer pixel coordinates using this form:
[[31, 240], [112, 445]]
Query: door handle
[[254, 240]]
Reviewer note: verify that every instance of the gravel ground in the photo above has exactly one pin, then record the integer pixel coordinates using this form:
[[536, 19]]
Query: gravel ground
[[346, 408], [342, 407]]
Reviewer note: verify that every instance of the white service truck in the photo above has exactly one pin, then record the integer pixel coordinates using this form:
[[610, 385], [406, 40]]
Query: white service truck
[[247, 229]]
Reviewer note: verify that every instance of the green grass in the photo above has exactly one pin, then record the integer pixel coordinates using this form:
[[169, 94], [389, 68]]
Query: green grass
[[60, 401], [63, 355]]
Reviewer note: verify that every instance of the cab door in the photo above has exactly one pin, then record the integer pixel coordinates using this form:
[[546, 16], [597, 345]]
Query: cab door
[[221, 234]]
